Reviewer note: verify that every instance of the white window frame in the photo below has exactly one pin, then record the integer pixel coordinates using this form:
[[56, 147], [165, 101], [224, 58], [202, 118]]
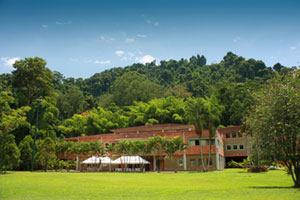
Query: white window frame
[[229, 146], [180, 162], [237, 147]]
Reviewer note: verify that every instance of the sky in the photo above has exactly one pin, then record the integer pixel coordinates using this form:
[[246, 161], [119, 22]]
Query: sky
[[81, 38]]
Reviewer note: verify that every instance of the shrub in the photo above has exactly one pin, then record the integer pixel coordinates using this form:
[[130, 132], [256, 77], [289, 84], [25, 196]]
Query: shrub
[[234, 164], [257, 169]]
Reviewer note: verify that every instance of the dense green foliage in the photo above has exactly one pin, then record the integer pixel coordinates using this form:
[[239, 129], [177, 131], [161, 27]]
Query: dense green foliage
[[229, 184], [122, 97], [274, 122]]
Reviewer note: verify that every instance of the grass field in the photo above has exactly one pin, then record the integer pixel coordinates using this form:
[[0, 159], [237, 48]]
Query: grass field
[[227, 184]]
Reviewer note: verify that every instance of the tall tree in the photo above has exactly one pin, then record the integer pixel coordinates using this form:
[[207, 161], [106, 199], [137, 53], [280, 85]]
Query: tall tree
[[9, 152], [132, 87], [275, 123], [195, 114], [25, 147], [212, 117], [46, 153], [32, 79]]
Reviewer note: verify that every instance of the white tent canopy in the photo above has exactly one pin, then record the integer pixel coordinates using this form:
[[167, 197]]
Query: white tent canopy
[[91, 160], [130, 160], [105, 160]]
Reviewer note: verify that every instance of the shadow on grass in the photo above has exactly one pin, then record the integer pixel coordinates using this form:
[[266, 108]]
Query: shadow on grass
[[272, 187], [7, 173]]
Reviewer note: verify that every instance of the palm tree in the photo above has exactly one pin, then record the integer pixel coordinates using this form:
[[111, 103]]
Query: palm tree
[[144, 149], [157, 144], [195, 113], [96, 149], [110, 150], [173, 145], [122, 150], [212, 116]]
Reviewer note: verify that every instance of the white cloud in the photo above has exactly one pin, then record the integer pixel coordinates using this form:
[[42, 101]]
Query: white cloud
[[293, 48], [102, 62], [141, 35], [272, 57], [129, 40], [107, 39], [8, 62], [148, 21], [146, 59], [119, 52], [63, 22], [44, 26], [236, 39]]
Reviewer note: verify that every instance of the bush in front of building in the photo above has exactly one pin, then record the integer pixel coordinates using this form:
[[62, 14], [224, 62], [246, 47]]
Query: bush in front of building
[[258, 169], [233, 164]]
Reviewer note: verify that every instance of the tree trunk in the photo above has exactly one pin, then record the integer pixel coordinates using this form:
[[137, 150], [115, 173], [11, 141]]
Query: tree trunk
[[297, 177], [201, 155], [209, 154]]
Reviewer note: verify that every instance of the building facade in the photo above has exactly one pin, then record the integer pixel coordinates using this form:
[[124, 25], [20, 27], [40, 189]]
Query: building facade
[[227, 144]]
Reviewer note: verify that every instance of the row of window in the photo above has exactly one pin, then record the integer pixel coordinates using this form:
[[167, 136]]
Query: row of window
[[197, 142], [233, 135], [234, 147]]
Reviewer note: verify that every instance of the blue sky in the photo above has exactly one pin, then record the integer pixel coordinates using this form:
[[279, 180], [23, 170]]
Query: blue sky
[[80, 38]]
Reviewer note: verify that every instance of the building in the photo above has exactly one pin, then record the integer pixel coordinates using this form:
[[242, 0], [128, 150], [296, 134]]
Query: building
[[228, 144]]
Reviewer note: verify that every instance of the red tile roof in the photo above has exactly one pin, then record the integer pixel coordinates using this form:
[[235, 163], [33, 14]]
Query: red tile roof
[[229, 129], [153, 128]]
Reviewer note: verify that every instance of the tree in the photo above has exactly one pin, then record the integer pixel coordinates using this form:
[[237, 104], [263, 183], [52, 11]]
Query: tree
[[134, 87], [173, 145], [212, 117], [46, 153], [72, 102], [32, 79], [110, 150], [274, 122], [157, 145], [25, 147], [195, 115], [9, 152], [10, 119]]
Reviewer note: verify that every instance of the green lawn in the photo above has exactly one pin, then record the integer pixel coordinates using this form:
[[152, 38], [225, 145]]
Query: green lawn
[[227, 184]]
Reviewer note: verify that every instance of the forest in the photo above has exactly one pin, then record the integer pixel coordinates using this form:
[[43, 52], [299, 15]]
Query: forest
[[123, 97]]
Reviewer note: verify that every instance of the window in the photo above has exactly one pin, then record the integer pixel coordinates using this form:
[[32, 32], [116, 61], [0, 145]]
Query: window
[[204, 142], [227, 135], [199, 162], [193, 163], [235, 147], [191, 142], [241, 146], [194, 142], [228, 147], [240, 135], [209, 162], [180, 162], [233, 135]]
